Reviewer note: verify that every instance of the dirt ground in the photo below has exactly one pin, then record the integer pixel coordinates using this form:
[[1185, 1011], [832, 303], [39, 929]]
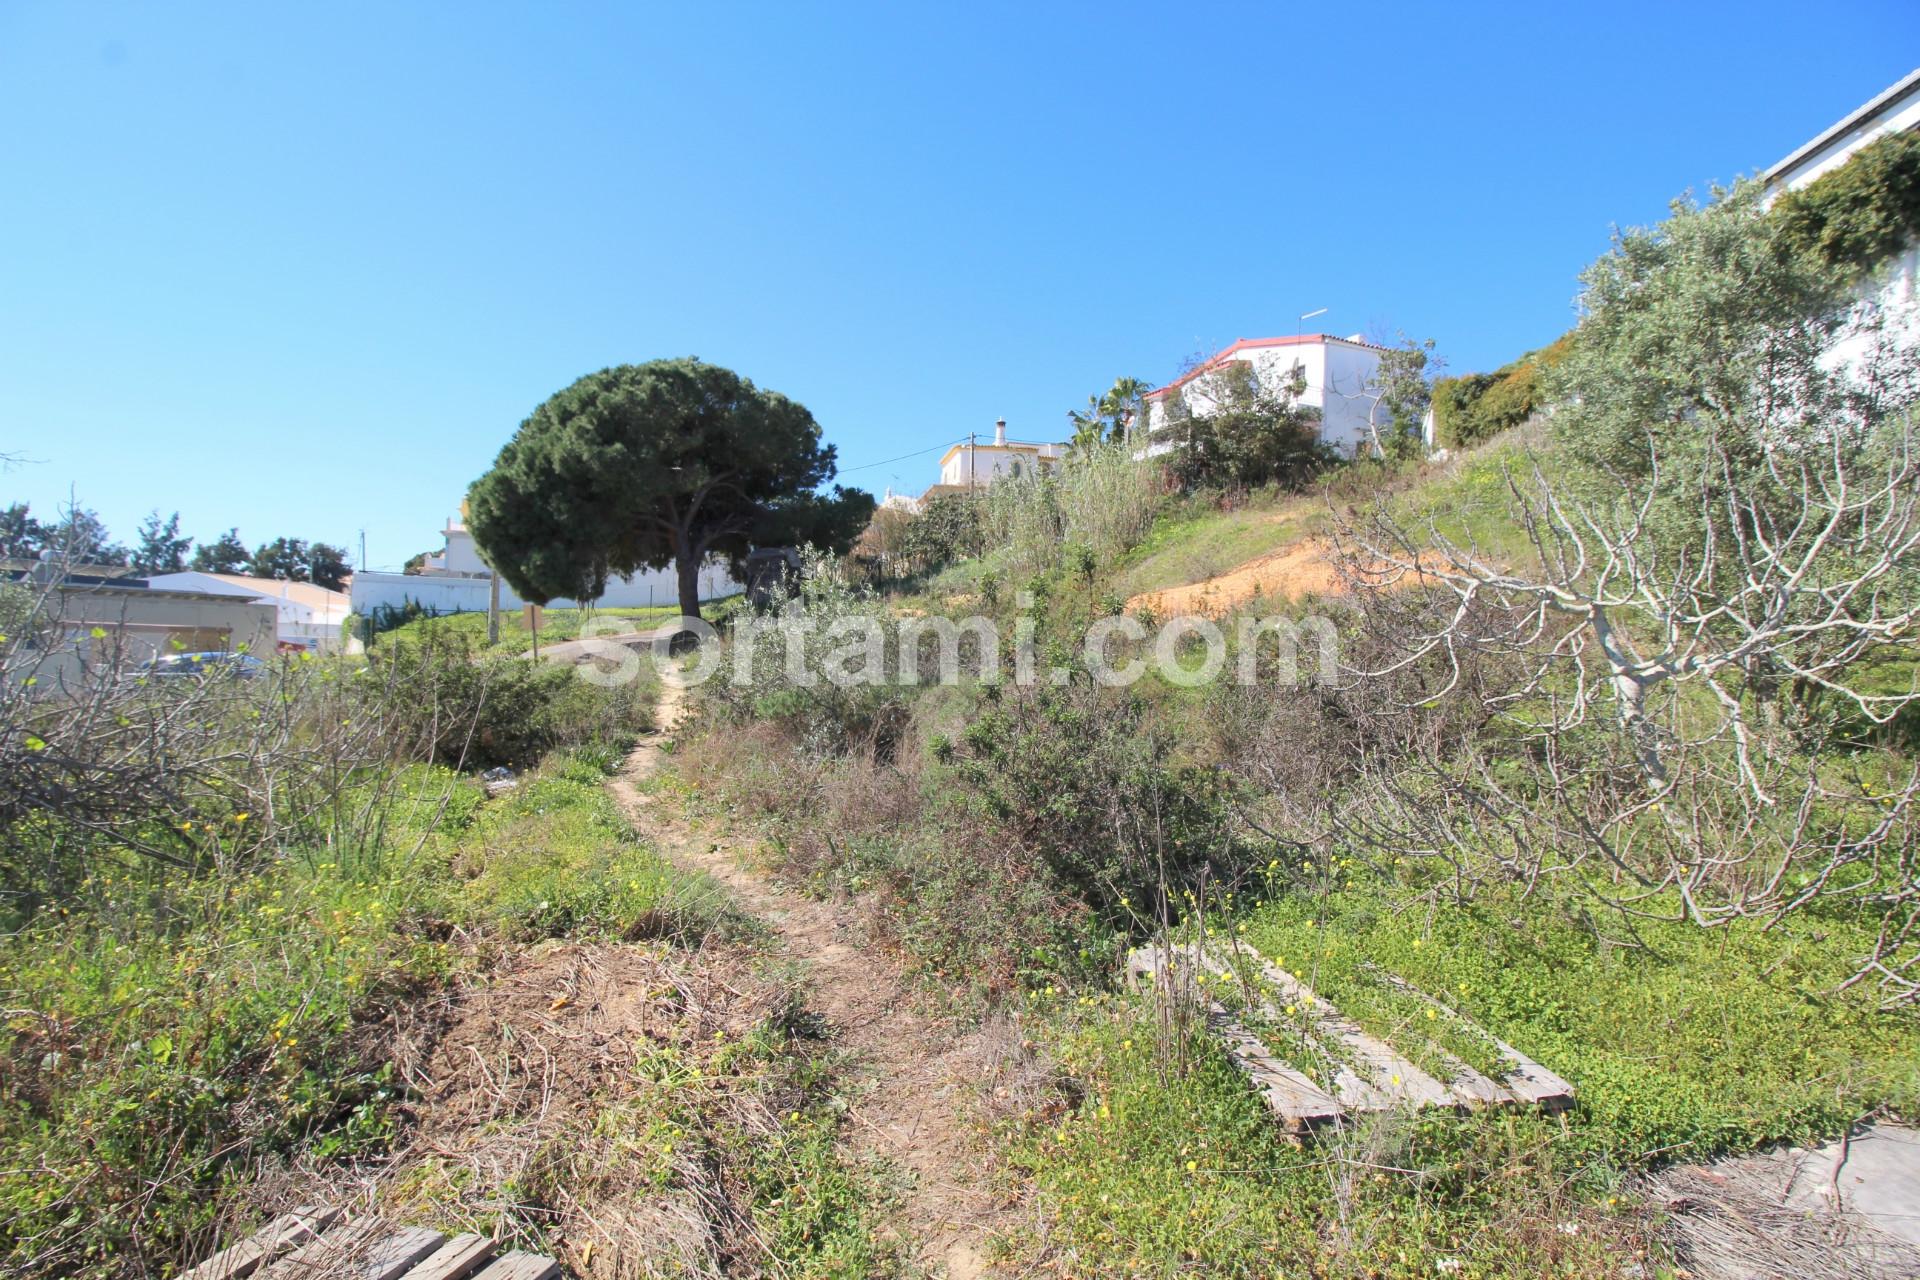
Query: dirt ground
[[1846, 1210], [917, 1072], [1303, 569], [515, 1089]]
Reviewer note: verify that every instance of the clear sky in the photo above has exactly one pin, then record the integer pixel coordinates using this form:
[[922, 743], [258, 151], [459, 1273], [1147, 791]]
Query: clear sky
[[304, 268]]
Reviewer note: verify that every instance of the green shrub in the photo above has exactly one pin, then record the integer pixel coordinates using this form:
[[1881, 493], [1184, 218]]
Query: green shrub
[[474, 712], [1476, 407], [1861, 214], [798, 675], [947, 529], [1087, 781], [1246, 434], [1103, 500]]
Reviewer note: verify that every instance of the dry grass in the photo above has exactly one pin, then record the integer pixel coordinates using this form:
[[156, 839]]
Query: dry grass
[[1737, 1220], [572, 1103]]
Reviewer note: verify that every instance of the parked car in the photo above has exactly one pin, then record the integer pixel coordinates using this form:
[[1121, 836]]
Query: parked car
[[243, 666]]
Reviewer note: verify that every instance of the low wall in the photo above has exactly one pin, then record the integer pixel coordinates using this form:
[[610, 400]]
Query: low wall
[[443, 594]]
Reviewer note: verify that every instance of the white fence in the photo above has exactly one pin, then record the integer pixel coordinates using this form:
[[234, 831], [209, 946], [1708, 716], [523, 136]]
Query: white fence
[[439, 593]]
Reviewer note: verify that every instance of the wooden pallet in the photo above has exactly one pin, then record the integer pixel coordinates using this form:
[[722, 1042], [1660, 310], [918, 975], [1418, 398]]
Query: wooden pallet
[[1369, 1075], [309, 1244]]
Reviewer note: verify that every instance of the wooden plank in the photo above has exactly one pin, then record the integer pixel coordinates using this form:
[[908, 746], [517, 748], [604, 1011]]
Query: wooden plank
[[521, 1266], [453, 1260], [1379, 1077], [364, 1250], [1471, 1088], [1526, 1080], [1296, 1099], [321, 1256], [272, 1240], [394, 1255]]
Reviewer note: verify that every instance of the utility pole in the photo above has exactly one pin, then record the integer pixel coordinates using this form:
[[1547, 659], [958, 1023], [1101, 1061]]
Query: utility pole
[[363, 551], [493, 607], [970, 436]]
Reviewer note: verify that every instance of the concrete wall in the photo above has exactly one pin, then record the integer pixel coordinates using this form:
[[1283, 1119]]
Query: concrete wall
[[136, 625], [447, 594]]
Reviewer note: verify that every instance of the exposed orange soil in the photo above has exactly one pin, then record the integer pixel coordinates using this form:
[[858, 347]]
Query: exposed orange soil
[[1302, 569]]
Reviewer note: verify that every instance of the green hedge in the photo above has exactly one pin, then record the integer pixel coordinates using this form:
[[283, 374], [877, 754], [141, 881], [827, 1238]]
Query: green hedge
[[1862, 213], [1479, 406]]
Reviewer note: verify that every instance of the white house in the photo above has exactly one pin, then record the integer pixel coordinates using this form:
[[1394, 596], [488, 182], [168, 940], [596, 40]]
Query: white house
[[457, 580], [310, 617], [971, 464], [1335, 376], [1895, 110], [1891, 291]]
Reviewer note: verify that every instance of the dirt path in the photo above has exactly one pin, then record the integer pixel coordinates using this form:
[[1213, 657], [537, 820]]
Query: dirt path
[[914, 1070]]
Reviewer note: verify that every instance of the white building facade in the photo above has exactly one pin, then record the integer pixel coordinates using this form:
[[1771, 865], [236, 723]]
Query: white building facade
[[1337, 376], [457, 580], [310, 618], [1891, 293], [973, 464]]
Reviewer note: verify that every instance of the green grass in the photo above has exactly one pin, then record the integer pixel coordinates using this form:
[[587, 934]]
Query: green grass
[[1717, 1040], [166, 1033], [1469, 502], [555, 624], [1190, 546], [1155, 1169]]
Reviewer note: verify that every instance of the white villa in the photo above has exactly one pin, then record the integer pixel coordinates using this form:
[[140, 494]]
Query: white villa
[[1894, 290], [971, 464], [1336, 376]]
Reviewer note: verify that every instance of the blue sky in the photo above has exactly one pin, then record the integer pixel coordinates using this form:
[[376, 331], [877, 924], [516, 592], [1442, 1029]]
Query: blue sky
[[304, 268]]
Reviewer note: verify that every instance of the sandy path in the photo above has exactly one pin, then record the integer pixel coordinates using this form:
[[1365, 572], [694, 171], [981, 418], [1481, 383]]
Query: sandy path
[[912, 1108]]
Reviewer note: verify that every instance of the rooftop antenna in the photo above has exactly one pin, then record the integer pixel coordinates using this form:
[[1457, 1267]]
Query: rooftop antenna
[[1299, 330]]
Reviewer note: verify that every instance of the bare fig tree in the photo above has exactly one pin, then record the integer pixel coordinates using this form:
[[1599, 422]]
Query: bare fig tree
[[1700, 599]]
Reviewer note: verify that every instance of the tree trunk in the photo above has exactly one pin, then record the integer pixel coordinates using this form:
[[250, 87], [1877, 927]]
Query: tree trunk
[[686, 565]]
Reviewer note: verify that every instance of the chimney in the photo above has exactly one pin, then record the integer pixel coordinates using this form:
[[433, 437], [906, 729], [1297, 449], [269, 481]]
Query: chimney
[[1000, 431]]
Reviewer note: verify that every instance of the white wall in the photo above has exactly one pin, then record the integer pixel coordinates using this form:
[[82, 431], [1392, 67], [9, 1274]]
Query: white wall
[[444, 593], [991, 460], [1349, 396], [1890, 297], [460, 556], [1338, 376]]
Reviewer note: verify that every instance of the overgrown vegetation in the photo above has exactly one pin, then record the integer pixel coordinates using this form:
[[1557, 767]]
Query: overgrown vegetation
[[246, 913], [173, 1033], [1476, 407], [1860, 214], [1614, 770]]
